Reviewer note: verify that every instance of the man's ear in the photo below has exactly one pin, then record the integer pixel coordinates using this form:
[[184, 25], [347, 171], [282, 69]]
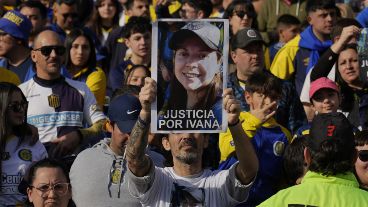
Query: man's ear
[[127, 42], [309, 19], [200, 14], [307, 157], [33, 56], [109, 126], [233, 56], [165, 143]]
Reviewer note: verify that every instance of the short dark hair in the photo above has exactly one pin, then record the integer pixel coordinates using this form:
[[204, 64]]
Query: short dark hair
[[200, 5], [68, 2], [264, 83], [129, 4], [35, 4], [288, 19], [136, 25], [294, 159], [341, 23], [361, 138], [314, 5]]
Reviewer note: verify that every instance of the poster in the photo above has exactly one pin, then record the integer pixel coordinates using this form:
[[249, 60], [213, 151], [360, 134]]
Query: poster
[[363, 54], [189, 63]]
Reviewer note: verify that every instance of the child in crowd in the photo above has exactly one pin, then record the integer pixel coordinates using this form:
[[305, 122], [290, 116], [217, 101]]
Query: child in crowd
[[268, 137], [288, 26], [325, 98]]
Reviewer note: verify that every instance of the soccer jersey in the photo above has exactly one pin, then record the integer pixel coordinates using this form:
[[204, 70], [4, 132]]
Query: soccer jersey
[[59, 106], [15, 161]]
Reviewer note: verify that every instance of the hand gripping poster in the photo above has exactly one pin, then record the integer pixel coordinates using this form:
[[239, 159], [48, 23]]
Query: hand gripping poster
[[189, 64]]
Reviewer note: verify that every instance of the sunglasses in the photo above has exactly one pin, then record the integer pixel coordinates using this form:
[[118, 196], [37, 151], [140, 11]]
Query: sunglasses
[[46, 50], [363, 155], [241, 14], [18, 107]]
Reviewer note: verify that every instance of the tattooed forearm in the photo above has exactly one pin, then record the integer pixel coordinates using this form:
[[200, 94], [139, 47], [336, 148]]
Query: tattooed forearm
[[135, 153]]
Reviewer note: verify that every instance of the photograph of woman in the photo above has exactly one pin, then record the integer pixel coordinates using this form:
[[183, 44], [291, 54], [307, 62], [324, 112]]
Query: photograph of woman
[[192, 100]]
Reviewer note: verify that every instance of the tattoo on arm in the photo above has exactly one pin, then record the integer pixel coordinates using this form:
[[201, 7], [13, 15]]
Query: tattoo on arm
[[135, 153]]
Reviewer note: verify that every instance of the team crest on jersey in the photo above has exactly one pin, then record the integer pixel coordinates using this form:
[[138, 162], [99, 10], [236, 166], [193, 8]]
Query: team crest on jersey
[[25, 154], [54, 100], [5, 156], [116, 174], [278, 148]]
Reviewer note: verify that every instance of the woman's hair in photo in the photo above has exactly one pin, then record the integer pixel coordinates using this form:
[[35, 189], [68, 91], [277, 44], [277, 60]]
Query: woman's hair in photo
[[70, 38], [251, 12], [346, 92], [128, 72], [21, 131]]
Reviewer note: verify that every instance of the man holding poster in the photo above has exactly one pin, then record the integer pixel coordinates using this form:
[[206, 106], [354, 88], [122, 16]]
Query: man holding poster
[[193, 99]]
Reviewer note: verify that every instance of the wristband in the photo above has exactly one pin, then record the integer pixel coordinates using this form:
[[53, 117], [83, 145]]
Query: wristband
[[231, 125]]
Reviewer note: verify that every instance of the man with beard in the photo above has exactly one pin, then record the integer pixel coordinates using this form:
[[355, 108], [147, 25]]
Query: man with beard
[[187, 183], [59, 107]]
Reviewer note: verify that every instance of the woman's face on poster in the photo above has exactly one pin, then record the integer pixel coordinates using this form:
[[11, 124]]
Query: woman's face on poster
[[195, 64]]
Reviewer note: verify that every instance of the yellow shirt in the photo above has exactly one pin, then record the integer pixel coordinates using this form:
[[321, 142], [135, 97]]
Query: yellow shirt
[[9, 76]]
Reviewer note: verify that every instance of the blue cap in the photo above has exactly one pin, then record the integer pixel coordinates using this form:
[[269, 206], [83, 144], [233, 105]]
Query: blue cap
[[16, 24], [124, 111]]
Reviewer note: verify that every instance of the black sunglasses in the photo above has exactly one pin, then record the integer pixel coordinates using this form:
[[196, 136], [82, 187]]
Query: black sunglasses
[[46, 50], [18, 107], [363, 155], [241, 14]]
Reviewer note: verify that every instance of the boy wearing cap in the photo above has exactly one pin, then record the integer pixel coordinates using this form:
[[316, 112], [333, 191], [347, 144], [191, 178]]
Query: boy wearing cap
[[14, 33], [269, 138], [329, 154], [107, 173], [325, 98], [247, 54]]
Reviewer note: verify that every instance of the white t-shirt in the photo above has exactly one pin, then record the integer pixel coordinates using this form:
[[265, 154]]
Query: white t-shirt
[[15, 163], [162, 187]]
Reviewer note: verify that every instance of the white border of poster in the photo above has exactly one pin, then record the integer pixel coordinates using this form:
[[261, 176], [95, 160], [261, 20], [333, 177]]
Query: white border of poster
[[166, 120]]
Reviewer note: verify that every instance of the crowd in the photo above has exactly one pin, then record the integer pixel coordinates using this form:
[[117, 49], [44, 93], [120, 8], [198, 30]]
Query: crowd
[[76, 94]]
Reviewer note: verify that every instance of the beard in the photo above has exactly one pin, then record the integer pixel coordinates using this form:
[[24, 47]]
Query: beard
[[188, 157]]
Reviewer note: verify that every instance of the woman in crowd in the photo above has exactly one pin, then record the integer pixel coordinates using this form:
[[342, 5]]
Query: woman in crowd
[[241, 14], [106, 18], [48, 184], [19, 145], [353, 89], [135, 75], [81, 63]]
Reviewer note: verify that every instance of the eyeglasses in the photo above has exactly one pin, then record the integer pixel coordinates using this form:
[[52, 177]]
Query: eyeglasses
[[18, 107], [241, 14], [58, 188], [363, 155], [46, 50]]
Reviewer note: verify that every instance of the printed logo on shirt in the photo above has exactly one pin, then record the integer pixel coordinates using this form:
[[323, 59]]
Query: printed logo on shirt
[[187, 196], [54, 100], [278, 148], [306, 61], [25, 154]]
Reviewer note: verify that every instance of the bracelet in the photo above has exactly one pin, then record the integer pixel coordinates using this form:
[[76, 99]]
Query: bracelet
[[231, 125]]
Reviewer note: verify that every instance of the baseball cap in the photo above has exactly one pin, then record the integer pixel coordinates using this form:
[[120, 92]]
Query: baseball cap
[[322, 83], [330, 126], [16, 24], [124, 111], [207, 32], [244, 37]]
